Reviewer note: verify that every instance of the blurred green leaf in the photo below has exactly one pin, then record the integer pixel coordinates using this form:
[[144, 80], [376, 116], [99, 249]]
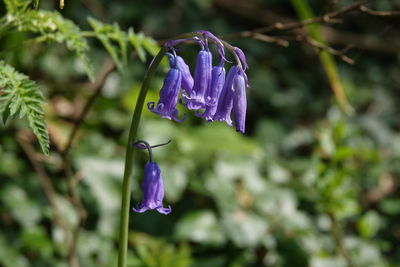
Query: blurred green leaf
[[369, 224], [24, 210], [200, 226]]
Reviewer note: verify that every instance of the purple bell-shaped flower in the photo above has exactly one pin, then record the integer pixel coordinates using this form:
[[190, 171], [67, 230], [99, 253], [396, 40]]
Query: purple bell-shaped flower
[[187, 79], [152, 186], [214, 91], [225, 101], [239, 100], [169, 93], [202, 79]]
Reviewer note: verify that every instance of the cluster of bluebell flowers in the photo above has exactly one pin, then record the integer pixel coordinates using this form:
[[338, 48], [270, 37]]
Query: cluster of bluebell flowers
[[211, 93]]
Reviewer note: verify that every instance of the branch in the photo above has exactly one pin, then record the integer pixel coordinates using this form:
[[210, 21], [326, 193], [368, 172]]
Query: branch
[[326, 18], [45, 183], [72, 180], [284, 42], [308, 40], [337, 233], [270, 39], [106, 69], [265, 16], [75, 200], [366, 10]]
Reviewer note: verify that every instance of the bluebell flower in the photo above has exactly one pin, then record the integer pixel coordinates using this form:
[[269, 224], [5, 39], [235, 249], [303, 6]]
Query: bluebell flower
[[214, 91], [225, 101], [152, 185], [169, 93], [153, 190], [239, 100], [187, 79], [202, 80]]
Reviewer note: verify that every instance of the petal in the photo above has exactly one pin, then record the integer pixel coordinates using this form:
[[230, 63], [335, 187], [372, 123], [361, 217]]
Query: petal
[[187, 79], [140, 208], [225, 101], [164, 210], [169, 94], [202, 80], [214, 91], [239, 102]]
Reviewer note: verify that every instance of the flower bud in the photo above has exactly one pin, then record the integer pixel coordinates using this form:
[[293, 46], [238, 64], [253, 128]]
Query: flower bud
[[239, 101]]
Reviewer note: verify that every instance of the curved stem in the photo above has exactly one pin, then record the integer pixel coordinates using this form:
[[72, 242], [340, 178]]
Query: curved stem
[[145, 146], [126, 184]]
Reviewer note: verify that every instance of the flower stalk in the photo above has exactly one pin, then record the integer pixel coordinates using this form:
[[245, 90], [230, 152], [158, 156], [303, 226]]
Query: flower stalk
[[202, 92], [127, 183]]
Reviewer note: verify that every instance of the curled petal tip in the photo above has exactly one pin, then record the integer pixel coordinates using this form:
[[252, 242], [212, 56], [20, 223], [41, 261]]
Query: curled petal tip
[[179, 120], [241, 56], [164, 211]]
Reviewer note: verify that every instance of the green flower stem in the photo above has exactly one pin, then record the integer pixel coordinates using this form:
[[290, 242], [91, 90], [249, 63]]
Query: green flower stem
[[126, 185]]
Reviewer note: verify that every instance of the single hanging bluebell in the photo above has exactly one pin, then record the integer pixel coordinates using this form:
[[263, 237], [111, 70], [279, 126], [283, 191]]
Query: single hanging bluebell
[[169, 93], [225, 101], [187, 79], [202, 80], [239, 100], [152, 186], [214, 91]]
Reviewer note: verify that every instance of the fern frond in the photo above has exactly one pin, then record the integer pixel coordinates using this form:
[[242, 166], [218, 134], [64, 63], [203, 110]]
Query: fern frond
[[53, 27], [141, 43], [109, 34], [21, 97]]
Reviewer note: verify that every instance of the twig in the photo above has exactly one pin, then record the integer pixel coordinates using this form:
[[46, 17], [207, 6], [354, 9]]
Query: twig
[[379, 13], [267, 17], [270, 39], [72, 180], [284, 41], [75, 200], [327, 48], [106, 69], [46, 185], [339, 239], [326, 18]]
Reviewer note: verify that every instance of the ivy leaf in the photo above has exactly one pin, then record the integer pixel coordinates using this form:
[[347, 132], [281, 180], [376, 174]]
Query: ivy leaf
[[21, 97]]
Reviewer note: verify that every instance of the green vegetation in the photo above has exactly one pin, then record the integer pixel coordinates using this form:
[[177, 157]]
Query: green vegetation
[[307, 185]]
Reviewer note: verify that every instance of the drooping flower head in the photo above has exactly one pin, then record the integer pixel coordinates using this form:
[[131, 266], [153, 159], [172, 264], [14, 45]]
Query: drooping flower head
[[212, 95], [152, 186]]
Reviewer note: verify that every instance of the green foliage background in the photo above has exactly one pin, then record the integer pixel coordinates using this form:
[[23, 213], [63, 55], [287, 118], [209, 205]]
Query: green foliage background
[[306, 186]]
